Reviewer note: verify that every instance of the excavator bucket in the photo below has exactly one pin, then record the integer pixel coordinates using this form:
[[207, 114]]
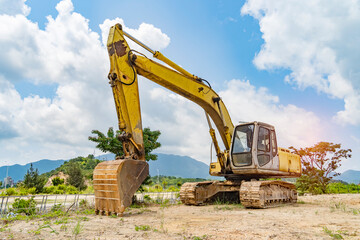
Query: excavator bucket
[[115, 183]]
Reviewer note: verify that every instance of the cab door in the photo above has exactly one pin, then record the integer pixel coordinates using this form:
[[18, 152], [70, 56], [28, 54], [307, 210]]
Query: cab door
[[267, 148], [264, 154]]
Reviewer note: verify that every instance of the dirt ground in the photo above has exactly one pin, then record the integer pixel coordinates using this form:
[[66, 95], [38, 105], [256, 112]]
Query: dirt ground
[[313, 217]]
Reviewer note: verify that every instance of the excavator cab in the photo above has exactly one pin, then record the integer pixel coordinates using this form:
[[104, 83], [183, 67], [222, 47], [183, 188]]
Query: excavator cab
[[254, 153]]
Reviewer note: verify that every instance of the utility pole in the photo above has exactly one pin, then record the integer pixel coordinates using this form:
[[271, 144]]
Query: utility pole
[[158, 176], [7, 171]]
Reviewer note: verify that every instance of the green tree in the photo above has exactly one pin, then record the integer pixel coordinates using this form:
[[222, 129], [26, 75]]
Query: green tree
[[164, 183], [91, 162], [76, 177], [319, 163], [32, 179], [151, 143], [110, 142], [57, 181]]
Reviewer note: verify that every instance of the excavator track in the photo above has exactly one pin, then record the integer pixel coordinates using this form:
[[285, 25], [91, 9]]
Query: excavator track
[[198, 193], [266, 194], [187, 193], [253, 194]]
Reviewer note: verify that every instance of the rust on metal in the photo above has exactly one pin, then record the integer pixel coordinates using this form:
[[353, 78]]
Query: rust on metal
[[197, 193], [265, 194], [120, 48], [252, 194], [115, 182], [111, 50]]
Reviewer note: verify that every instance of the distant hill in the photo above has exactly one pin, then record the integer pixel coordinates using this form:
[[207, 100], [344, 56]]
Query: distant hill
[[178, 166], [17, 172], [349, 176], [166, 165], [173, 165]]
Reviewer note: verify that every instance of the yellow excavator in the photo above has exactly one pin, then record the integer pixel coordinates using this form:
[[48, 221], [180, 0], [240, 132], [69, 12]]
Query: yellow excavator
[[251, 152]]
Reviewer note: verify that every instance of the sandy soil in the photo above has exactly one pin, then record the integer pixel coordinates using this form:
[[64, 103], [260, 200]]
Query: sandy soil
[[313, 217]]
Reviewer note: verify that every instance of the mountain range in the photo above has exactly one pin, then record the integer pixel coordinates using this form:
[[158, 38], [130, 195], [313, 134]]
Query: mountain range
[[173, 165], [349, 176], [17, 172], [166, 165]]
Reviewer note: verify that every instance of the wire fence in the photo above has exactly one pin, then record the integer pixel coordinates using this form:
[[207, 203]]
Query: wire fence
[[9, 205], [42, 203]]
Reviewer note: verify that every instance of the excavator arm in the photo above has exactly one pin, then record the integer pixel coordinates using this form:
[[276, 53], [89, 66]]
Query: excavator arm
[[126, 64], [116, 181]]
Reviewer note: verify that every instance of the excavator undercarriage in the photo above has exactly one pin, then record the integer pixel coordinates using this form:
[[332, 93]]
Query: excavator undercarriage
[[251, 194]]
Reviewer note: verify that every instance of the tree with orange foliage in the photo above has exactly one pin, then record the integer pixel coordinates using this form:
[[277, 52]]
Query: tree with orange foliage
[[319, 163]]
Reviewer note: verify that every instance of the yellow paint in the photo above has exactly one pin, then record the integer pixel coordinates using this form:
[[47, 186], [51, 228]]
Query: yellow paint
[[289, 162], [214, 169], [125, 66], [179, 81], [126, 96]]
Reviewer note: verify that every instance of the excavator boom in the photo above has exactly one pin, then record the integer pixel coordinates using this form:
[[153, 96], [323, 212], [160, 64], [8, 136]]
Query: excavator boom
[[115, 182]]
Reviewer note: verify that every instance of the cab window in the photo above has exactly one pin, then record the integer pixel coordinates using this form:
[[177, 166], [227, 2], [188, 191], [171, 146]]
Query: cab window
[[264, 140], [242, 145]]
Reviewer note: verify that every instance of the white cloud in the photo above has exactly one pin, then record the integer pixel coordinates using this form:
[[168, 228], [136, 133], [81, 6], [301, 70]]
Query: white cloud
[[294, 126], [184, 129], [182, 123], [146, 33], [70, 55], [13, 7], [318, 41]]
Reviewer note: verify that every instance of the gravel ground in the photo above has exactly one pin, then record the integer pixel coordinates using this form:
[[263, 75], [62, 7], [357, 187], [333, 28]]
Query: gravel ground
[[313, 217]]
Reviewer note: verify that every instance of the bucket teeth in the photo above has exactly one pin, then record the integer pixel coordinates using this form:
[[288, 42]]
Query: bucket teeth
[[115, 183]]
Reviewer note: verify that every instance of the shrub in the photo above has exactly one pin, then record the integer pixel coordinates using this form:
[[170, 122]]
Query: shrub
[[158, 188], [11, 191], [57, 208], [58, 191], [88, 190], [61, 187], [147, 198], [172, 189], [24, 206], [57, 181], [32, 191], [71, 190], [23, 192], [49, 190]]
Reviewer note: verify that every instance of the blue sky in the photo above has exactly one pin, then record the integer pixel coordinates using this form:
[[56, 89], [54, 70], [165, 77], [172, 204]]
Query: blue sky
[[205, 26], [292, 66]]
